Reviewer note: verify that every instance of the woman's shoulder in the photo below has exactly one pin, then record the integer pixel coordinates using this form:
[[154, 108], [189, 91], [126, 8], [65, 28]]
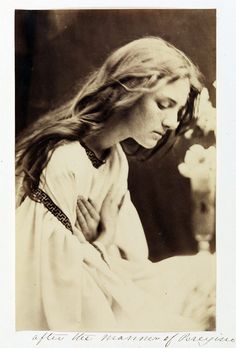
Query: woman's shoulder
[[69, 155], [69, 148], [73, 156]]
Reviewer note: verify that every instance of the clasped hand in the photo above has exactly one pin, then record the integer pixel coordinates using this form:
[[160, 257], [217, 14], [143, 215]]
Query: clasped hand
[[100, 226]]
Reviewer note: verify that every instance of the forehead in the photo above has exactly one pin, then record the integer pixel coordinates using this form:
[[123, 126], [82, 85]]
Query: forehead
[[177, 90]]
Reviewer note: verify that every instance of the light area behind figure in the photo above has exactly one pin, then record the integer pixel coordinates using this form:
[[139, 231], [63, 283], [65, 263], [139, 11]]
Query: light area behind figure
[[200, 167], [203, 217]]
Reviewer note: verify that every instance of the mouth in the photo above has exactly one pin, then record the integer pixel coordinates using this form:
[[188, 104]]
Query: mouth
[[159, 133]]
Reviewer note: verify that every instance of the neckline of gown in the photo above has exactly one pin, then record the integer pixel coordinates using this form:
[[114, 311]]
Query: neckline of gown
[[96, 162]]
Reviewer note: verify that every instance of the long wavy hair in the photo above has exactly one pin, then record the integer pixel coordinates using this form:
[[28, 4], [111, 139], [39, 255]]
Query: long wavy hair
[[132, 70]]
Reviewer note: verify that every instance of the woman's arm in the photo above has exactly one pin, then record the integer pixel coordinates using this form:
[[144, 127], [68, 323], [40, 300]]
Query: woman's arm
[[55, 267], [67, 175]]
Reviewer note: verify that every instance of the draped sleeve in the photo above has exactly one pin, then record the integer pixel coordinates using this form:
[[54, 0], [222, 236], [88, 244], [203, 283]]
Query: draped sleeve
[[55, 269], [62, 282], [131, 238], [68, 173]]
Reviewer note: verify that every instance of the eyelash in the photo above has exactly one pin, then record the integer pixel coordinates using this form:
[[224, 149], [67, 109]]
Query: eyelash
[[162, 107], [181, 112]]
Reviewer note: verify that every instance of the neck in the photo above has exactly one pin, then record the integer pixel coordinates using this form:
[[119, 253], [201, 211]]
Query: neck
[[105, 139], [99, 144], [98, 148]]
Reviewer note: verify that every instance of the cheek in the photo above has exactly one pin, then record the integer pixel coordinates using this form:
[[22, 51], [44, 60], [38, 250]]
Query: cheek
[[145, 116], [151, 115], [135, 121]]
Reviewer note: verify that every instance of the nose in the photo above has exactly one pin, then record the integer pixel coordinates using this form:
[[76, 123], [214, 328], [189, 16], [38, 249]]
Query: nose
[[170, 120]]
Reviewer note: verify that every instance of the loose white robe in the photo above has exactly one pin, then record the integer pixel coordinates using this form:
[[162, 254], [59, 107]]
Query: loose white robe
[[62, 282]]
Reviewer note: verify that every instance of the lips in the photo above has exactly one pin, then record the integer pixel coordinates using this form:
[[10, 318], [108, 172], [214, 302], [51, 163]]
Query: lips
[[159, 133]]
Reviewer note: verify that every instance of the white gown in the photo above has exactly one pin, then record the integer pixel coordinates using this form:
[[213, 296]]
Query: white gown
[[63, 283]]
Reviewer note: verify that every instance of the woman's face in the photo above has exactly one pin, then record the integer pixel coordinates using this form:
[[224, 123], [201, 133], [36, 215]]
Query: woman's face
[[156, 112]]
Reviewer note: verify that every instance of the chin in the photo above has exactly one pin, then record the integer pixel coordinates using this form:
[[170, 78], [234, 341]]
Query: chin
[[149, 145]]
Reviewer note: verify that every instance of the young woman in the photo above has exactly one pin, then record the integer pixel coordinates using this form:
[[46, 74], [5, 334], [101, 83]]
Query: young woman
[[81, 253]]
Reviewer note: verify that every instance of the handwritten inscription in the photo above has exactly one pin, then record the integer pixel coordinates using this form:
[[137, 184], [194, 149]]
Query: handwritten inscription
[[202, 341], [164, 341], [49, 336]]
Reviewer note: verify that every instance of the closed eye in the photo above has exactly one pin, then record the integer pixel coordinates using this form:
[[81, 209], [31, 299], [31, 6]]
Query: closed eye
[[170, 103], [164, 105]]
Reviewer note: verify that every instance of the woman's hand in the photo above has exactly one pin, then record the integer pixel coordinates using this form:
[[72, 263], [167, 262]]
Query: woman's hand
[[108, 219], [88, 218], [100, 227]]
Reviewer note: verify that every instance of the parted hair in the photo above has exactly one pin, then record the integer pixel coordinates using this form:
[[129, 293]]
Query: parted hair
[[130, 71]]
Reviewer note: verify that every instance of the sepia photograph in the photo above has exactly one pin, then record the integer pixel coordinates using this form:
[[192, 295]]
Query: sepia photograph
[[115, 170]]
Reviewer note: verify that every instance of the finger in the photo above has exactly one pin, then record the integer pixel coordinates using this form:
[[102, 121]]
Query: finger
[[90, 215], [83, 209], [91, 210], [82, 225], [87, 223], [95, 206], [81, 220]]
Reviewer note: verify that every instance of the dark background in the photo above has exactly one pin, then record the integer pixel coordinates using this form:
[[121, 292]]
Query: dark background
[[56, 49]]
